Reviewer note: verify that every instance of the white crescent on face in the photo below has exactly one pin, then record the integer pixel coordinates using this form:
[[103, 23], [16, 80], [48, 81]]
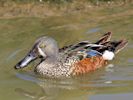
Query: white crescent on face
[[41, 52]]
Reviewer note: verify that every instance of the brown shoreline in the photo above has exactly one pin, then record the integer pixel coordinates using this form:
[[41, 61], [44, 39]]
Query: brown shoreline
[[45, 9]]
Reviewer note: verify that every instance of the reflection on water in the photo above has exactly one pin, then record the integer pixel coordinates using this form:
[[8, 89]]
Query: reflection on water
[[53, 89], [18, 34], [113, 97], [86, 86]]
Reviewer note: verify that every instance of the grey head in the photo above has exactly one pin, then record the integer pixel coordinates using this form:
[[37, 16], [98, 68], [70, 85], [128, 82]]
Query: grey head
[[44, 47]]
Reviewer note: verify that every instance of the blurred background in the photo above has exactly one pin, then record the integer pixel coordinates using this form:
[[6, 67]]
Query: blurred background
[[45, 8]]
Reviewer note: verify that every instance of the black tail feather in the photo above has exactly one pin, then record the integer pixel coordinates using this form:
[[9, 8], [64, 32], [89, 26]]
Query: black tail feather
[[114, 46], [105, 38]]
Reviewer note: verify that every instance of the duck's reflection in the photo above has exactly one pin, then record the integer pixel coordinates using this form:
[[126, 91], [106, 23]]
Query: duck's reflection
[[55, 89], [76, 88]]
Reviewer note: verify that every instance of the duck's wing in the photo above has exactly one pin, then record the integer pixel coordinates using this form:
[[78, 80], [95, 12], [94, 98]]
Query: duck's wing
[[105, 38], [81, 46], [85, 46], [86, 49], [81, 50], [73, 46]]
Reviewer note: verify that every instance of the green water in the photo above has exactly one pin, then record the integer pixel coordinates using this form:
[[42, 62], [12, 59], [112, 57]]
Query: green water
[[114, 82]]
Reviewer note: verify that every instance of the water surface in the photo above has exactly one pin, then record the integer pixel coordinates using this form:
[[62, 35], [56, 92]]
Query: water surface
[[113, 82]]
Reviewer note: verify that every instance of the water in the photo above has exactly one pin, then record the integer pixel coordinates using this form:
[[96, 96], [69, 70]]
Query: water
[[113, 82]]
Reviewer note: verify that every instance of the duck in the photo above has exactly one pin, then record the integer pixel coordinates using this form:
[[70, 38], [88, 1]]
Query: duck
[[71, 60]]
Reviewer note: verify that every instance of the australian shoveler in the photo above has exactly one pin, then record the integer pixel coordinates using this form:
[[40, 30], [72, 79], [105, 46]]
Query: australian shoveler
[[71, 60]]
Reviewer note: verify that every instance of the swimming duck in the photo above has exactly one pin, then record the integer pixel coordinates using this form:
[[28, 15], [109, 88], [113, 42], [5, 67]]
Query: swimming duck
[[71, 60]]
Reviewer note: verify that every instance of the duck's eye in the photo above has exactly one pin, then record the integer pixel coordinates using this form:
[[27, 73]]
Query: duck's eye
[[42, 46]]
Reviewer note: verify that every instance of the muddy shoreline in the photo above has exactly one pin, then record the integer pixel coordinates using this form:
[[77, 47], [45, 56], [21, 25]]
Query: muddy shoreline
[[47, 9]]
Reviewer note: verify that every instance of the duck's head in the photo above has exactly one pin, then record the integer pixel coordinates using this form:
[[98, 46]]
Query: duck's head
[[43, 47]]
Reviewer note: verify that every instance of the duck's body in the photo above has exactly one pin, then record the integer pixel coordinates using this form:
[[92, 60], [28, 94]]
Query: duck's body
[[71, 60], [58, 68]]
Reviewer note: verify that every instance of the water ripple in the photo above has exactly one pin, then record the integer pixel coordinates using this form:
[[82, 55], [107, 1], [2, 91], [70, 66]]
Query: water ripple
[[93, 30]]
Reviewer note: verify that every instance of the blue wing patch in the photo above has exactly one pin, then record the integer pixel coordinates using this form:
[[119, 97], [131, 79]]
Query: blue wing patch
[[92, 53]]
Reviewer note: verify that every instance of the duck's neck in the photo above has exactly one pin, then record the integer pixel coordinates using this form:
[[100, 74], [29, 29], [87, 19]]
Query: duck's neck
[[52, 55], [52, 51]]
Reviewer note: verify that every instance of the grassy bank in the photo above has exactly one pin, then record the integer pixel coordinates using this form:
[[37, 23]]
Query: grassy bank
[[45, 8]]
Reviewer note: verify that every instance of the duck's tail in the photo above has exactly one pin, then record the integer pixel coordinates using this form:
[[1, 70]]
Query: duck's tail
[[111, 48], [108, 48], [115, 46]]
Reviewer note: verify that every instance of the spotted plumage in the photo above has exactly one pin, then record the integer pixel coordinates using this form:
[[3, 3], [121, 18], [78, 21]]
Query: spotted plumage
[[74, 59]]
